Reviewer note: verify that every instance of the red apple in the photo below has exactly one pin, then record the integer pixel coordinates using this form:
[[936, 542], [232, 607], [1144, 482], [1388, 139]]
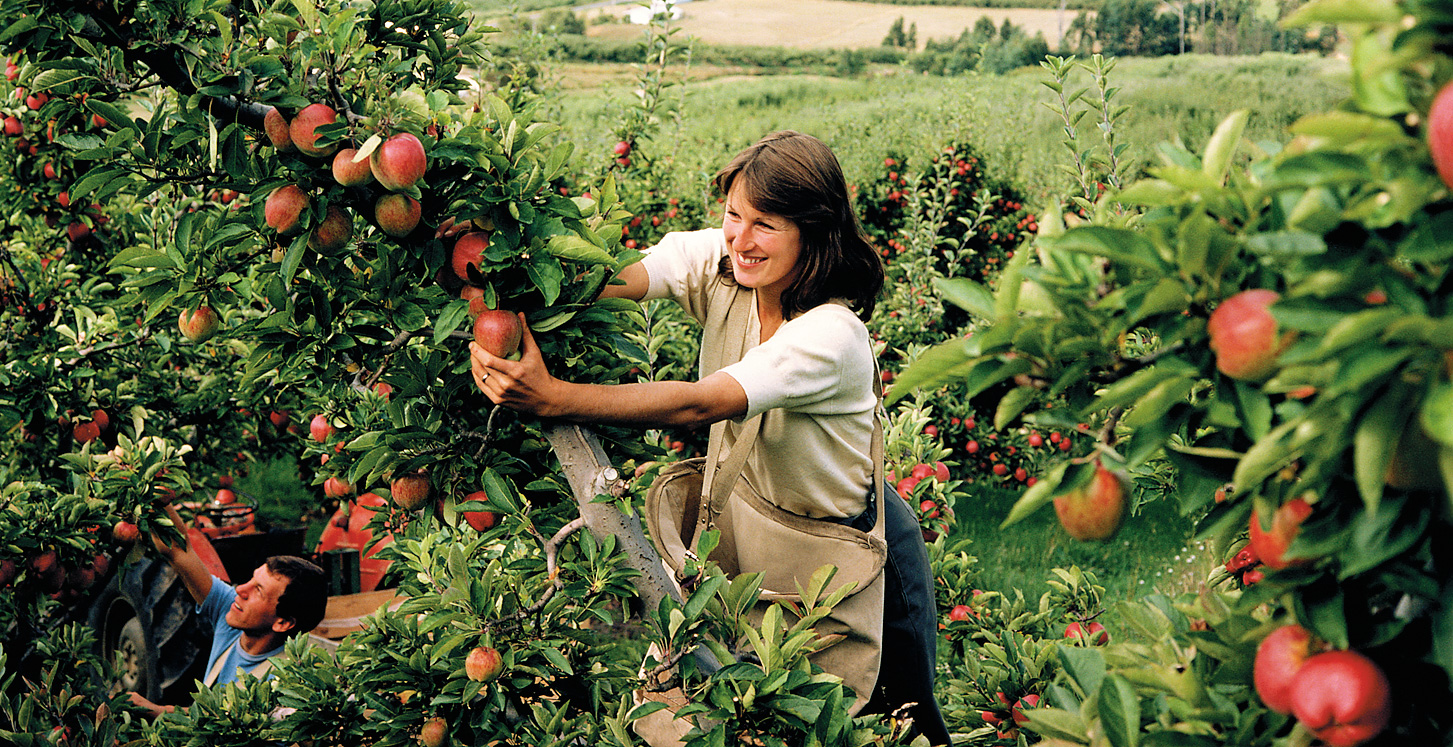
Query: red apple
[[320, 429], [13, 127], [1270, 545], [78, 231], [928, 509], [125, 532], [333, 232], [475, 296], [411, 490], [348, 172], [1245, 336], [1028, 701], [1093, 511], [337, 487], [480, 520], [8, 571], [277, 129], [940, 472], [1278, 659], [397, 214], [399, 162], [906, 485], [98, 121], [224, 497], [199, 325], [483, 664], [498, 332], [304, 129], [1440, 133], [49, 171], [1342, 697], [279, 418], [961, 612], [103, 421], [86, 432], [468, 251], [1093, 632], [622, 148], [284, 209], [434, 733]]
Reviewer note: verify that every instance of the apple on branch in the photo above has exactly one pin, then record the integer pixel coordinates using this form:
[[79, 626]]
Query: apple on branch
[[275, 125], [199, 325], [397, 214], [1246, 337], [284, 208], [349, 170], [399, 162], [1095, 510], [304, 129]]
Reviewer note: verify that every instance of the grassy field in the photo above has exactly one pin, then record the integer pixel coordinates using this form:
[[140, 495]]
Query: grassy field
[[1004, 117], [808, 24]]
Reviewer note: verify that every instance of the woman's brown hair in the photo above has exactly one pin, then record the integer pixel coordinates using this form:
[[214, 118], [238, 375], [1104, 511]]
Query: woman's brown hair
[[797, 177]]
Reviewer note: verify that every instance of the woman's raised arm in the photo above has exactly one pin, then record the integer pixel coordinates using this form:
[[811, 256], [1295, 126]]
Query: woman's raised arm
[[527, 386]]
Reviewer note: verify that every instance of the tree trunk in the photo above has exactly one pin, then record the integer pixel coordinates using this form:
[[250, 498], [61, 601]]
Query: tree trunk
[[588, 470]]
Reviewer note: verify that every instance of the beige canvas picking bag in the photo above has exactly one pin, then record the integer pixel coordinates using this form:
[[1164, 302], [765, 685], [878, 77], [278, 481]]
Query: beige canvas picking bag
[[694, 495]]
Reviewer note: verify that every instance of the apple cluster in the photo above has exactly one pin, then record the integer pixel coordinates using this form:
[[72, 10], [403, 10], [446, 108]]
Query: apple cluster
[[1341, 696]]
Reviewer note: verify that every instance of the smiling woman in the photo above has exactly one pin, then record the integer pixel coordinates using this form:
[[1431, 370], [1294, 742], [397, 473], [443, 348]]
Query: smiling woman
[[788, 375]]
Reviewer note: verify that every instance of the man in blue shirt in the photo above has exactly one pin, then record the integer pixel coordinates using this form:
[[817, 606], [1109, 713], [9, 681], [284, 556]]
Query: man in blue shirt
[[286, 596]]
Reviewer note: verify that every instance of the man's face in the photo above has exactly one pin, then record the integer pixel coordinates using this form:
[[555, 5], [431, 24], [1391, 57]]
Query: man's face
[[255, 609]]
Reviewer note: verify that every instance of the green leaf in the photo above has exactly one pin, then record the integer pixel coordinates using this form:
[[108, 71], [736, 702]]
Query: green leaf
[[1120, 712], [1037, 495], [1436, 415], [114, 115], [1287, 244], [1375, 439], [453, 315], [1012, 404], [1431, 241], [575, 249], [1117, 244], [1255, 408], [1222, 145], [1159, 401], [968, 295], [1086, 666], [140, 256], [935, 366]]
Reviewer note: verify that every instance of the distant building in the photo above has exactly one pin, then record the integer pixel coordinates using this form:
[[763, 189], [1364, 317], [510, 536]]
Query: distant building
[[642, 15]]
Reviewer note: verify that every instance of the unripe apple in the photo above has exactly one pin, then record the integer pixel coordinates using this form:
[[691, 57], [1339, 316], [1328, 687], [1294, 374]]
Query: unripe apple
[[125, 532], [397, 214], [1092, 632], [1093, 511], [304, 129], [1440, 133], [435, 732], [1271, 544], [1245, 336], [411, 490], [468, 252], [320, 429], [498, 332], [348, 172], [277, 129], [1341, 697], [399, 162], [333, 232], [483, 664], [199, 325], [1279, 657], [480, 520], [284, 209]]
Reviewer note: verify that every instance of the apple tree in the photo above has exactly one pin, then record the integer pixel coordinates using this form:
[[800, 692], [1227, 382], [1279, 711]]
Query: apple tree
[[292, 214], [1272, 320]]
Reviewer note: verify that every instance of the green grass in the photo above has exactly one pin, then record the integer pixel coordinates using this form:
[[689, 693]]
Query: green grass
[[1005, 117], [1154, 553]]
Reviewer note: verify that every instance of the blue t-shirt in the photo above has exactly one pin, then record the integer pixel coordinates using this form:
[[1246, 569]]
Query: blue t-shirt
[[225, 638]]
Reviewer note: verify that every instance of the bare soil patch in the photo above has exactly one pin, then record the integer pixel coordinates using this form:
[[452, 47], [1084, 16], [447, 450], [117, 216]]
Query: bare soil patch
[[809, 24]]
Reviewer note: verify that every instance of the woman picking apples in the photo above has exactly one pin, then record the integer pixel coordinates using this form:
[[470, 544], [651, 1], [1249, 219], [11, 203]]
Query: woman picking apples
[[791, 241]]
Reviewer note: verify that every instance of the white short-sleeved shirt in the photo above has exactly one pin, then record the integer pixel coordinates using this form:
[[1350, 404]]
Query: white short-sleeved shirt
[[812, 378]]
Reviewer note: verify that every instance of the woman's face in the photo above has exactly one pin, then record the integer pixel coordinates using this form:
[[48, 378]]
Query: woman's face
[[764, 246]]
